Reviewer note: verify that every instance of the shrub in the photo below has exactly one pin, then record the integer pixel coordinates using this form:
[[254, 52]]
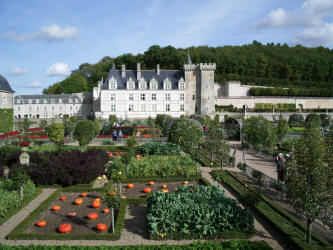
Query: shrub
[[57, 132], [296, 120], [8, 201], [250, 198], [85, 131], [154, 166], [196, 210], [66, 167], [313, 118], [160, 148], [241, 167]]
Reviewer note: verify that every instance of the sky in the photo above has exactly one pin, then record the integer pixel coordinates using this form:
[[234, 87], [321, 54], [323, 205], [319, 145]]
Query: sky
[[42, 41]]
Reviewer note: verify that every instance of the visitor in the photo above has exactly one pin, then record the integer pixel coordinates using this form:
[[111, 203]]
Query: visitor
[[114, 135], [280, 165], [120, 135]]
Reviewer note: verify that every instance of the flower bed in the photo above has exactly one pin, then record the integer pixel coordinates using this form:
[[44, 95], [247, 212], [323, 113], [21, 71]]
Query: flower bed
[[155, 166], [196, 212], [82, 227]]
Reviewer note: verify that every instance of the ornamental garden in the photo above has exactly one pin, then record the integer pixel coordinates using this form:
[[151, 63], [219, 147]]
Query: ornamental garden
[[157, 179]]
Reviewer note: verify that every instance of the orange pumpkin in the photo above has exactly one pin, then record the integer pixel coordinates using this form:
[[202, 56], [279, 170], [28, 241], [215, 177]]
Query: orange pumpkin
[[65, 228], [78, 201], [98, 199], [56, 208], [151, 183], [83, 194], [130, 185], [185, 182], [110, 154], [92, 216], [72, 214], [101, 227], [63, 198], [96, 204], [138, 156], [165, 190], [118, 153], [147, 190], [106, 210], [164, 186], [41, 223]]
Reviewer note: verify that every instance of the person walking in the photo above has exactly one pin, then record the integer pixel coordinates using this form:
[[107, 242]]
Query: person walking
[[114, 135], [120, 135], [280, 165]]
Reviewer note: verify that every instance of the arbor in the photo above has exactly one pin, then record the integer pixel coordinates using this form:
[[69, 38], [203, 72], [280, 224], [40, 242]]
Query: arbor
[[186, 133], [258, 131], [57, 132], [309, 179], [296, 120], [281, 129], [84, 131]]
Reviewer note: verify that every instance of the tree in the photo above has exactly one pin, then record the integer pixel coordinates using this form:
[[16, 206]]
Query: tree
[[258, 131], [309, 179], [84, 132], [186, 133], [112, 120], [313, 118], [43, 124], [57, 132], [97, 127], [296, 120], [281, 129]]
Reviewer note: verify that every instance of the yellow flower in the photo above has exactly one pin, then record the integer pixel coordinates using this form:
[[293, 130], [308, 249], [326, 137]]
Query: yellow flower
[[99, 178], [212, 163], [104, 176], [119, 173]]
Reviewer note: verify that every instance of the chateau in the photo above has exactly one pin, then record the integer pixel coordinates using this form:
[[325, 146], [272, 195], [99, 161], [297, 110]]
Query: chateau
[[138, 94]]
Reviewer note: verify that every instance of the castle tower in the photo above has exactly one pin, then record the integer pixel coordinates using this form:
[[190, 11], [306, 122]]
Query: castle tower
[[190, 77], [207, 94]]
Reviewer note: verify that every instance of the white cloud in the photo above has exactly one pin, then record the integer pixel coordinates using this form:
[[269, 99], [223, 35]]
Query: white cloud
[[316, 36], [318, 7], [35, 85], [53, 32], [58, 69], [18, 71]]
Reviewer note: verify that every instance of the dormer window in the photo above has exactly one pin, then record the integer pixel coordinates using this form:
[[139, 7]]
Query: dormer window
[[76, 100], [52, 100], [153, 84], [44, 101], [112, 83], [167, 84], [181, 83], [18, 101], [60, 101], [37, 101], [29, 101], [142, 84], [130, 83], [70, 100]]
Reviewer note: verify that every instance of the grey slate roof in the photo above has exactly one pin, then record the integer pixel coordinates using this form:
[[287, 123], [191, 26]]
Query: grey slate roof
[[4, 85], [173, 75], [65, 98]]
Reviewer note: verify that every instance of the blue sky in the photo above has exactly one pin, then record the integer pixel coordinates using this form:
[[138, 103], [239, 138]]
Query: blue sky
[[42, 41]]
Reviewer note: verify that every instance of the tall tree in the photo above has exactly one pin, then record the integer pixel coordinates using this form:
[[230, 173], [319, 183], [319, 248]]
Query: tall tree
[[309, 179], [281, 129], [57, 132]]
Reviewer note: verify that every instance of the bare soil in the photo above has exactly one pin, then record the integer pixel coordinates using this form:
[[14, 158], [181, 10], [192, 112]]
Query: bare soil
[[137, 191], [80, 223]]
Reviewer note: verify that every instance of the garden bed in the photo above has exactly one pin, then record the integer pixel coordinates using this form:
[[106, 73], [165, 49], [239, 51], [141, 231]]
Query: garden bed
[[82, 227]]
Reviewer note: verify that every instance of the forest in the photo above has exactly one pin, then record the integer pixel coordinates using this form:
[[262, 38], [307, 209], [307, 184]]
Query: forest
[[256, 64]]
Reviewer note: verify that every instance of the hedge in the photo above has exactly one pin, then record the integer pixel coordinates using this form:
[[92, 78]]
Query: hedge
[[233, 244], [166, 179], [18, 232], [7, 120], [311, 92], [292, 228]]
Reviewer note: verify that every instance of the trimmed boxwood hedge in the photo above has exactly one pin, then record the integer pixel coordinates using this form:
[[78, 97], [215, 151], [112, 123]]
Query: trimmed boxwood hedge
[[292, 228], [231, 245], [17, 233]]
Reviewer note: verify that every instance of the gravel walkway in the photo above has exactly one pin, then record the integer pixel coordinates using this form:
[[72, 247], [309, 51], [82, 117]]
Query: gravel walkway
[[134, 232]]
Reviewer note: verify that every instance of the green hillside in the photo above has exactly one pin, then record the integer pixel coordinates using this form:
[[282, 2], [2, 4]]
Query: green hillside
[[272, 65]]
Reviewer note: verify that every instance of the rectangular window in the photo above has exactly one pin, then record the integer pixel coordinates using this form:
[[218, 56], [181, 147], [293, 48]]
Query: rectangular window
[[167, 107], [52, 108], [182, 85], [153, 97], [142, 97], [45, 108], [18, 108], [130, 97], [181, 107], [76, 107], [113, 97], [60, 108], [112, 85], [143, 107], [182, 97], [154, 107], [76, 100], [37, 101], [18, 101], [168, 85], [193, 97], [60, 101], [44, 101], [142, 85], [131, 85], [113, 107], [167, 97], [30, 108], [70, 107], [153, 85], [131, 107]]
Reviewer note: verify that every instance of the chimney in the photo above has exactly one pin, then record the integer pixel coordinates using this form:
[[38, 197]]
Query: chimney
[[138, 71], [158, 69], [123, 71]]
